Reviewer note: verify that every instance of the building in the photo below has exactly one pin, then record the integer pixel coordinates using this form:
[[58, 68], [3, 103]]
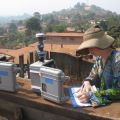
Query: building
[[66, 42], [59, 42], [21, 29], [67, 38]]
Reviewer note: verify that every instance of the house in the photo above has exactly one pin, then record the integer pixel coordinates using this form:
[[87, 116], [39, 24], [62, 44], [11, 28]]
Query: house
[[21, 29], [67, 41], [67, 38]]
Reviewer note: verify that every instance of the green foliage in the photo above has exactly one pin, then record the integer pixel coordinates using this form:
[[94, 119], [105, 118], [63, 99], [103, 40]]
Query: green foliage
[[60, 27], [77, 6], [33, 24], [113, 94], [12, 27], [113, 20], [2, 30], [112, 26], [117, 42], [37, 15], [16, 39], [104, 25], [114, 31]]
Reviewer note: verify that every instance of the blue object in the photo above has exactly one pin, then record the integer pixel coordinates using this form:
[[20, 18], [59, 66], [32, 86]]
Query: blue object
[[49, 81], [3, 73], [72, 98]]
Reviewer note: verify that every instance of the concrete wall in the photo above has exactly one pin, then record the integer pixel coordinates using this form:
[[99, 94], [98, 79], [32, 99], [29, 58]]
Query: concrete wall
[[73, 66]]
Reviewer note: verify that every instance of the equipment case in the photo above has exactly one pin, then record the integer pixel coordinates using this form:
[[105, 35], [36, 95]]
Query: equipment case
[[52, 81], [35, 74], [7, 76]]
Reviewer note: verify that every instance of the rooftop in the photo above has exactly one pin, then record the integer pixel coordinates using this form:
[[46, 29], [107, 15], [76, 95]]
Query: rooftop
[[33, 47], [67, 34]]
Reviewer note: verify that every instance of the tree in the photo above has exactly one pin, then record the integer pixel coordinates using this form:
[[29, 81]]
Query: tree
[[20, 23], [77, 6], [33, 24], [12, 27], [2, 31], [113, 20], [37, 15], [114, 32], [104, 25], [60, 28]]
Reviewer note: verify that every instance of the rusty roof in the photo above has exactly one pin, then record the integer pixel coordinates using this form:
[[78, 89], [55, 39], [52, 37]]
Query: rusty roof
[[67, 34], [33, 47], [16, 53]]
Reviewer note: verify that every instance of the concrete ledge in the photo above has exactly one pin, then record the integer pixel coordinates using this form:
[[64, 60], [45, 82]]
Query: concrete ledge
[[34, 107]]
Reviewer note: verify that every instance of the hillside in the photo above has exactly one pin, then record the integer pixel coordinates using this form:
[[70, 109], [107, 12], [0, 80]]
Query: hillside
[[79, 11], [79, 14], [78, 17]]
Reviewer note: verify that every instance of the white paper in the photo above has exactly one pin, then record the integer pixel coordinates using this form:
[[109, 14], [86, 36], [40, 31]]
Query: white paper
[[75, 101]]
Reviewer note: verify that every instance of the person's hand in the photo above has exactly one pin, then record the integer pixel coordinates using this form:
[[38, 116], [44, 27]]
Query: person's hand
[[87, 86], [82, 93]]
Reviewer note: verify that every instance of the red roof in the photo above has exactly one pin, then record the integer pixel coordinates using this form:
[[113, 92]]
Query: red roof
[[67, 34], [33, 47]]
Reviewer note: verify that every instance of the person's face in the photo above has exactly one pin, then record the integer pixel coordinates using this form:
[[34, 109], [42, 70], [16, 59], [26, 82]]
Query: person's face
[[94, 51]]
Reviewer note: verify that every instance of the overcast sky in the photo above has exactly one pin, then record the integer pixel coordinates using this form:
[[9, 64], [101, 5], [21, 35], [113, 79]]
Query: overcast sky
[[19, 7]]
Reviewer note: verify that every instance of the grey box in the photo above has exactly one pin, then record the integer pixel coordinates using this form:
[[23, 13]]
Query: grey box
[[7, 76], [52, 81], [35, 74]]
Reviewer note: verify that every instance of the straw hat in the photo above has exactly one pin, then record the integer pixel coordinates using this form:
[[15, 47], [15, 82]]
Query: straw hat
[[96, 37]]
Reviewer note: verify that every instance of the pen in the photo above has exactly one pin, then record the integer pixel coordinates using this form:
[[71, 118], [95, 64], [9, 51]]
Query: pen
[[82, 87]]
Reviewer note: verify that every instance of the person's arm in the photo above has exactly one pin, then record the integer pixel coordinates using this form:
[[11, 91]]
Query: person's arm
[[87, 83], [94, 70], [90, 80]]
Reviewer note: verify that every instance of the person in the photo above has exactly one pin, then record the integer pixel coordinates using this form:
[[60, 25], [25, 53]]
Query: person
[[105, 73]]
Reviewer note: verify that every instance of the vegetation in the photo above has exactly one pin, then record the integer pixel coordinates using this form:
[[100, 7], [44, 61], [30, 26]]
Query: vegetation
[[106, 96], [21, 31]]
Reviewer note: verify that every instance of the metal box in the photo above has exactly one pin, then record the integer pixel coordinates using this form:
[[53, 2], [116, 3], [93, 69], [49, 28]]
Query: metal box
[[35, 74], [52, 81], [7, 76]]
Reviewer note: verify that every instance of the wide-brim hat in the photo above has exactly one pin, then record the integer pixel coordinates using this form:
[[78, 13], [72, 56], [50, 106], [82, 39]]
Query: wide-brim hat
[[96, 37]]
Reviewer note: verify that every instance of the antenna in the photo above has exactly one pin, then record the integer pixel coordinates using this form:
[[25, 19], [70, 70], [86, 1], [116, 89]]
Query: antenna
[[41, 53]]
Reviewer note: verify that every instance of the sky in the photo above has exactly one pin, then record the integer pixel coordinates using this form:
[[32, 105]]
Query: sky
[[19, 7]]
